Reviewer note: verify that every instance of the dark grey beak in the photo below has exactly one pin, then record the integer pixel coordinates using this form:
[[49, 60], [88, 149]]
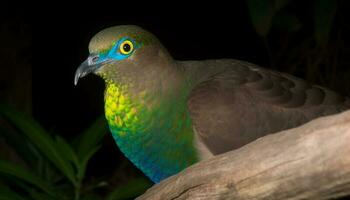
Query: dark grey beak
[[90, 65]]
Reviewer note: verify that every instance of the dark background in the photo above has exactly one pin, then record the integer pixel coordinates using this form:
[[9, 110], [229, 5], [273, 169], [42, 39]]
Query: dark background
[[42, 47]]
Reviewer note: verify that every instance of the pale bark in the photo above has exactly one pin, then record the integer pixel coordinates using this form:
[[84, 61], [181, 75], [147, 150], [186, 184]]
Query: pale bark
[[308, 162]]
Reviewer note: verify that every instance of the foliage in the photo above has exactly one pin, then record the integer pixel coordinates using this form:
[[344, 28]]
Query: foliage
[[52, 167]]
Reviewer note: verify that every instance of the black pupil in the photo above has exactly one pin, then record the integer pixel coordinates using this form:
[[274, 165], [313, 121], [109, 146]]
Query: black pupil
[[126, 47]]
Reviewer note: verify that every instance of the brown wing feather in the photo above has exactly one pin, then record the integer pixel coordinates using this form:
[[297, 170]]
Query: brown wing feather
[[245, 102]]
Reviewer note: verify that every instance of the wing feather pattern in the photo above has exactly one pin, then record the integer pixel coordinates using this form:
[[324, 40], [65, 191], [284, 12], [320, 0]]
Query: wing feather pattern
[[242, 102]]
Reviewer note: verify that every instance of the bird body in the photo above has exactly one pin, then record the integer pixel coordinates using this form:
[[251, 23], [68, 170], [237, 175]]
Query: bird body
[[166, 115]]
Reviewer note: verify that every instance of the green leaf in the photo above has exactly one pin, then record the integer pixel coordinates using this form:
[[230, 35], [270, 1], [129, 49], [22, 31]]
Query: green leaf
[[285, 21], [40, 138], [67, 151], [87, 144], [261, 13], [16, 171], [6, 194], [324, 12], [91, 137], [131, 189], [84, 161], [20, 145], [44, 166]]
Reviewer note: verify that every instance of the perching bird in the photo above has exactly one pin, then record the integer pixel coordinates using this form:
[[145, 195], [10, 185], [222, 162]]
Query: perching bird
[[166, 115]]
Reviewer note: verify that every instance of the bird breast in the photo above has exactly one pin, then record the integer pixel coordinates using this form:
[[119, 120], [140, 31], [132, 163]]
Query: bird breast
[[120, 111]]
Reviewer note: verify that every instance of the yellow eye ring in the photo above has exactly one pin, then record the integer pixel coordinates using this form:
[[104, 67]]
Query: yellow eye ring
[[126, 47]]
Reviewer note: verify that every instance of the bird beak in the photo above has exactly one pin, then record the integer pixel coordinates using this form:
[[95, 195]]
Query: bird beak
[[91, 64]]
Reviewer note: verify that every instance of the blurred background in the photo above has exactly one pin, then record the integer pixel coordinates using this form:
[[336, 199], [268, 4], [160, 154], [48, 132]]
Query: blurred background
[[41, 48]]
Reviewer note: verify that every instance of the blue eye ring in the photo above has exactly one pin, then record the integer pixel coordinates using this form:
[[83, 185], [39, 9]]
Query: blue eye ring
[[119, 51]]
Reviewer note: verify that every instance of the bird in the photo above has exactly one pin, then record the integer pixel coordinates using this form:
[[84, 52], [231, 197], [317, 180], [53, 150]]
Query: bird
[[166, 115]]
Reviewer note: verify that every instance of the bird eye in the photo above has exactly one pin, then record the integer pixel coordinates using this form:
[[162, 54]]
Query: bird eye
[[126, 47]]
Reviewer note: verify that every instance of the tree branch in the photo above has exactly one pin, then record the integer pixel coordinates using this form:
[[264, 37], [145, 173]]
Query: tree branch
[[308, 162]]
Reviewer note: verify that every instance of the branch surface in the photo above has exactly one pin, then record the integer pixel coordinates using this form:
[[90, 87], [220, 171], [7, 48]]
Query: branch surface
[[308, 162]]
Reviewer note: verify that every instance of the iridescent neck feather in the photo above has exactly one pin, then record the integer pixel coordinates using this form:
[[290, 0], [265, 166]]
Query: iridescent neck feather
[[154, 132]]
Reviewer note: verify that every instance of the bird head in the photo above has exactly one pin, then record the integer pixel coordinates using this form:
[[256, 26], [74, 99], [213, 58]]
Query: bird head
[[126, 54]]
